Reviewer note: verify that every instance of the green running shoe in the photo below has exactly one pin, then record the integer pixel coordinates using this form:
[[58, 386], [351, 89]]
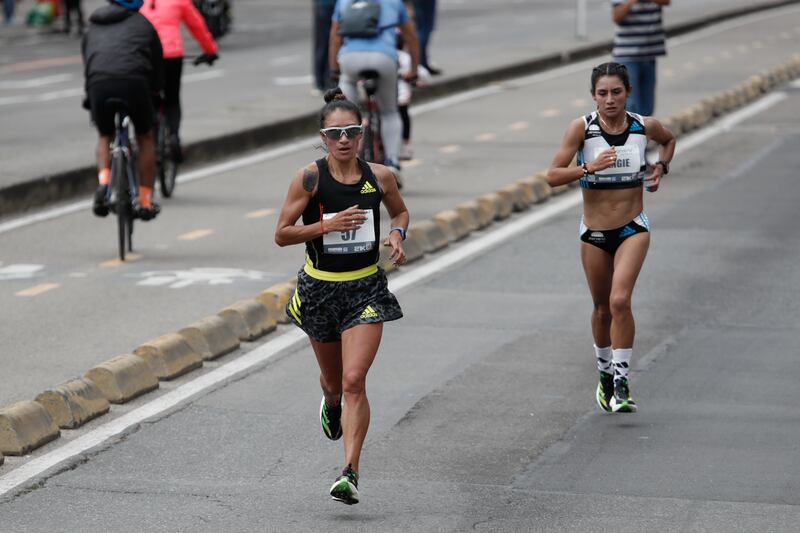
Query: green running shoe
[[622, 401], [331, 420], [605, 391], [345, 488]]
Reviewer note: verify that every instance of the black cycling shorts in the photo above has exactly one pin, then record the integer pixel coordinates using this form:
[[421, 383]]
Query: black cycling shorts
[[324, 309], [135, 92]]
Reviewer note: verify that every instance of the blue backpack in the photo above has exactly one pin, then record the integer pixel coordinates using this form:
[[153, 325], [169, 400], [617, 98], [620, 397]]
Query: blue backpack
[[360, 19]]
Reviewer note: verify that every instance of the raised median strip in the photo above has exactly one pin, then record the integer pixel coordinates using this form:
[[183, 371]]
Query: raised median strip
[[24, 426], [169, 356], [27, 425], [123, 378], [74, 403], [210, 337]]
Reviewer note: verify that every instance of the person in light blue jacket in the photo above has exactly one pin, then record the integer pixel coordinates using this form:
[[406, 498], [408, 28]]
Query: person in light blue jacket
[[349, 56]]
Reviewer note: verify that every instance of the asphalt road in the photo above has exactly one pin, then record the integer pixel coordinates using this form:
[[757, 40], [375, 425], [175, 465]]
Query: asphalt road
[[484, 415], [67, 305], [264, 73]]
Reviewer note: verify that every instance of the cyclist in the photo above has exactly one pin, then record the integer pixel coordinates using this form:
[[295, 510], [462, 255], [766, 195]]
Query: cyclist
[[610, 144], [122, 59], [352, 55], [166, 16], [342, 298]]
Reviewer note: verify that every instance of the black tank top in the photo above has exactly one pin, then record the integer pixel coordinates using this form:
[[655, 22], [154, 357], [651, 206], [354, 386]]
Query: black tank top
[[353, 250]]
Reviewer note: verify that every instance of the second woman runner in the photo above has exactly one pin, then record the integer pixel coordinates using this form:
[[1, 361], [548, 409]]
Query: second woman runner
[[610, 144], [342, 297]]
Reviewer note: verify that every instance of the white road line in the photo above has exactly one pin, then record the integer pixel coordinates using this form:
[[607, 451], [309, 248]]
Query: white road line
[[35, 82], [203, 76], [288, 81], [44, 97], [38, 466]]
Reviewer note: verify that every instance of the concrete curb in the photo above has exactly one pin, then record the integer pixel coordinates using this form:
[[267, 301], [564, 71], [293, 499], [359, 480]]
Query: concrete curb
[[123, 378], [169, 356], [82, 181], [210, 337], [434, 238], [248, 319], [275, 299], [452, 224], [24, 426], [74, 403]]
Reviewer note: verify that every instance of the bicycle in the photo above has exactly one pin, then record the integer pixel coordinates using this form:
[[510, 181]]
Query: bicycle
[[166, 154], [123, 189], [371, 149]]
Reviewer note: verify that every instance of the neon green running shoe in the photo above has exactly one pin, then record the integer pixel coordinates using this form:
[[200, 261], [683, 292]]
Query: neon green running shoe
[[622, 401], [605, 391], [345, 488], [331, 420]]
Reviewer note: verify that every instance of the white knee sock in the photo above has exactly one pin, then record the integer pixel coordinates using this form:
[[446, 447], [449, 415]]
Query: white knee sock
[[622, 359], [603, 359]]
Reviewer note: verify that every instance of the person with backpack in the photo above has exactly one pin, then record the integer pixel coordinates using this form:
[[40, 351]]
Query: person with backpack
[[363, 37], [122, 60]]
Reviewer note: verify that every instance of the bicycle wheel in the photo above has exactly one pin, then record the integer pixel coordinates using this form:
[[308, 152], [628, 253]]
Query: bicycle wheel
[[166, 164], [122, 203]]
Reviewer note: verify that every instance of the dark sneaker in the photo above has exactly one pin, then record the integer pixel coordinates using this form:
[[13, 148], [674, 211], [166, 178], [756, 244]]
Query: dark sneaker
[[345, 488], [99, 206], [146, 213], [605, 391], [331, 420], [622, 402]]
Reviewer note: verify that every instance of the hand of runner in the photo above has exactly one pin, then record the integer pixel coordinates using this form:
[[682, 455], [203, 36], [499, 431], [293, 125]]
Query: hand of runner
[[652, 181], [395, 241], [347, 220], [605, 159]]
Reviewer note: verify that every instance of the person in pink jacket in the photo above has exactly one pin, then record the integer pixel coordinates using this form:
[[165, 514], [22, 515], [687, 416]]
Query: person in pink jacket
[[166, 16]]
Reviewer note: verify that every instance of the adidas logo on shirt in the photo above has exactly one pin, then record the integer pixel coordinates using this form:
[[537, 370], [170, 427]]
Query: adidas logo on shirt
[[368, 188], [369, 312]]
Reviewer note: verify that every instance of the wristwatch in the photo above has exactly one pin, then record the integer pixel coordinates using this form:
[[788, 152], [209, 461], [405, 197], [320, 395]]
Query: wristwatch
[[664, 166], [401, 230]]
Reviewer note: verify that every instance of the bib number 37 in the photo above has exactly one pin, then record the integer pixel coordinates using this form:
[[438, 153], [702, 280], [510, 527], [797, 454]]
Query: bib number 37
[[353, 241]]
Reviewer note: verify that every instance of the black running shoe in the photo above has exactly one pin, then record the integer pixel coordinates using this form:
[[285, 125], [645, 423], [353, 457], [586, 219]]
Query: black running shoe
[[99, 206], [605, 391], [146, 213], [345, 488], [331, 420], [622, 402]]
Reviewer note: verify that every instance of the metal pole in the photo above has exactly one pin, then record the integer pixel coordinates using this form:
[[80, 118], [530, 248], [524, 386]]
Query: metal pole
[[580, 19]]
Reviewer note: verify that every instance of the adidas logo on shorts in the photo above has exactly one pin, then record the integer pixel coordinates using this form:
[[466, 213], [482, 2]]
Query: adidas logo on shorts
[[369, 312]]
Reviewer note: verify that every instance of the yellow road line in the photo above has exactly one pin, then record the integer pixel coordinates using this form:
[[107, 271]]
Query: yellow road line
[[36, 290], [450, 149], [196, 234], [261, 213], [113, 263]]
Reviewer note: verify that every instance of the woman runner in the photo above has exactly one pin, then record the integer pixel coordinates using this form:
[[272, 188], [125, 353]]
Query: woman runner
[[342, 298], [610, 144]]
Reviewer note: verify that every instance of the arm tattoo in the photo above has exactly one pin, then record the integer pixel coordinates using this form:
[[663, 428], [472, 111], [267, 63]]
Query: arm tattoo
[[310, 179]]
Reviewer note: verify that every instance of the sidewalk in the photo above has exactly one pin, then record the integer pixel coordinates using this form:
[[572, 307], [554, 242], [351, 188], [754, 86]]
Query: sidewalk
[[248, 113]]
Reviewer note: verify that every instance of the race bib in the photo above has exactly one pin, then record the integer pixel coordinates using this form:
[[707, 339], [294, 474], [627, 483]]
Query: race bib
[[354, 241], [628, 161]]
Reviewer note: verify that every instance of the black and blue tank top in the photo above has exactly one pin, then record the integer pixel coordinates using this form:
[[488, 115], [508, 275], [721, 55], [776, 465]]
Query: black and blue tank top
[[630, 168]]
